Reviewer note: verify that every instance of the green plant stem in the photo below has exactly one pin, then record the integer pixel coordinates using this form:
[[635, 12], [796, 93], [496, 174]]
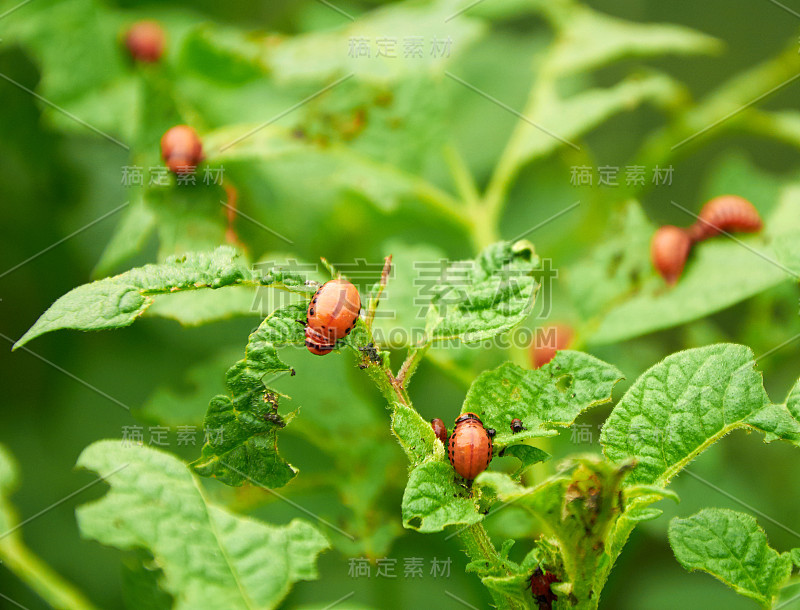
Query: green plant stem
[[479, 547], [476, 541], [490, 209], [462, 176], [41, 578], [725, 107]]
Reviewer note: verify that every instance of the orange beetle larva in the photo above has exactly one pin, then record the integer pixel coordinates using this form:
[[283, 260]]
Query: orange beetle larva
[[669, 250], [470, 446], [181, 149], [145, 41], [332, 314], [725, 213], [440, 430], [547, 343]]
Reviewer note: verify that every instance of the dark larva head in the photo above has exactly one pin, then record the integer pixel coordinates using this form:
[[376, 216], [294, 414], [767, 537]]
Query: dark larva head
[[318, 344], [468, 416]]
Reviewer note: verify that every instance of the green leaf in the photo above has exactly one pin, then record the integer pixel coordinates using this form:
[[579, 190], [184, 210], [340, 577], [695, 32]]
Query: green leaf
[[795, 554], [210, 557], [198, 307], [615, 267], [527, 455], [433, 500], [335, 168], [680, 406], [544, 399], [578, 509], [325, 55], [476, 300], [117, 301], [225, 55], [731, 547], [247, 450], [414, 434], [591, 39], [573, 116], [140, 578]]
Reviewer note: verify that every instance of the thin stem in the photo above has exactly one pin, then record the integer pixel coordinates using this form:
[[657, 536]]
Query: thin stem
[[507, 168], [727, 105], [373, 302], [232, 194], [41, 578], [442, 202], [462, 176], [415, 355], [479, 547]]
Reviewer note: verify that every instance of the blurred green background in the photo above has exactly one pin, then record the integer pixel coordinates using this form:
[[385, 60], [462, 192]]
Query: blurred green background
[[53, 183]]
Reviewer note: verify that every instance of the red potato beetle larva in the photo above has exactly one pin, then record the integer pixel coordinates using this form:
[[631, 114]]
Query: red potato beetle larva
[[181, 149], [725, 213], [669, 250], [548, 342], [540, 588], [516, 425], [332, 314], [145, 41], [470, 446], [440, 430]]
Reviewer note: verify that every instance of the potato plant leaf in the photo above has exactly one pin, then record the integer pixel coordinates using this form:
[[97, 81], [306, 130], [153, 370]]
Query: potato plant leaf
[[526, 454], [433, 499], [685, 403], [414, 434], [476, 300], [544, 399], [577, 508], [336, 167], [592, 39], [325, 55], [732, 547], [117, 301], [241, 444], [210, 558], [578, 114]]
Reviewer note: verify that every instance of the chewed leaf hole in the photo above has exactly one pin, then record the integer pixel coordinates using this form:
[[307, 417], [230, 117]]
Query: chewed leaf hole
[[564, 383]]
